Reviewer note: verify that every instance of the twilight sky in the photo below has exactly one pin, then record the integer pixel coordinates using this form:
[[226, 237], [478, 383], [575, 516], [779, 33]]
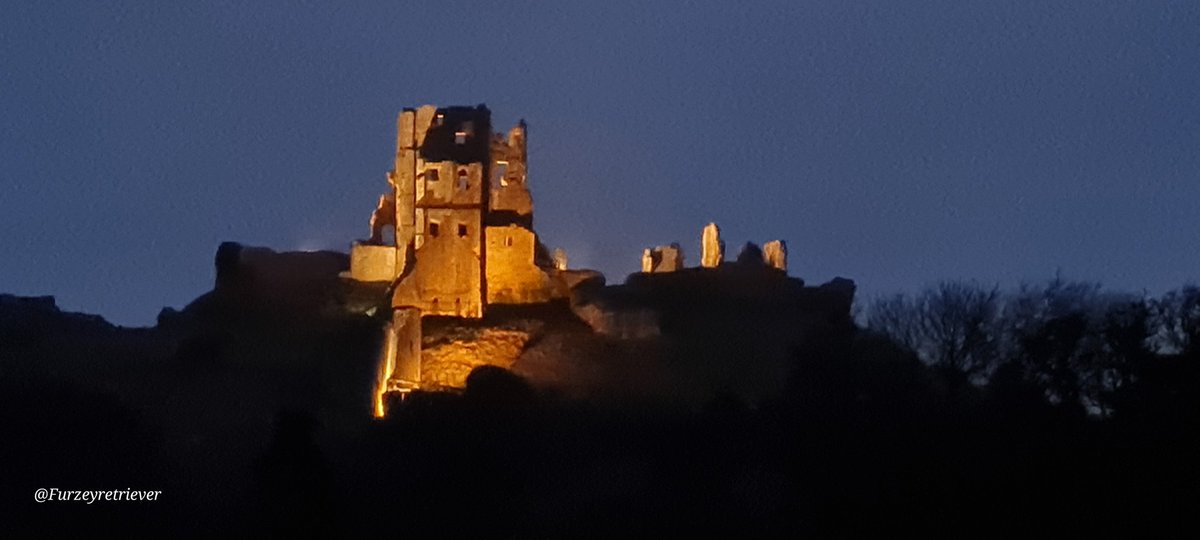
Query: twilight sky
[[895, 143]]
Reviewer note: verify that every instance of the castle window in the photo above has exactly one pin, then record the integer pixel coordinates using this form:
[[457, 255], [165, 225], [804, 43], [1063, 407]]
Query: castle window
[[431, 175], [462, 230], [462, 180], [508, 241], [434, 228], [466, 129], [502, 172]]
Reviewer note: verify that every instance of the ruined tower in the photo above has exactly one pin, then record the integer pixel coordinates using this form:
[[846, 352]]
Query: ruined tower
[[454, 232], [440, 178]]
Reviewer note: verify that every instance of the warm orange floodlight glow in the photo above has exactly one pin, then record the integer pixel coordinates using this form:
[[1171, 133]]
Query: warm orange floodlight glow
[[387, 365]]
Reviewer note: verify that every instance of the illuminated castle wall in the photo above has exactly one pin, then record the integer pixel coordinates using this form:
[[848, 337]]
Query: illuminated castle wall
[[454, 232]]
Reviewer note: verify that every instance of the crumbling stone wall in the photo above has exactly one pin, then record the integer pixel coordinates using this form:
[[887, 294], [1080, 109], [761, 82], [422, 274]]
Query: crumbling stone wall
[[447, 364], [447, 184], [399, 365], [667, 258], [510, 201], [372, 263], [775, 254], [447, 276], [512, 276]]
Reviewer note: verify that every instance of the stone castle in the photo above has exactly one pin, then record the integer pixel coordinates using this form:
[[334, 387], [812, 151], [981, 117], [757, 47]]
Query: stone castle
[[454, 234]]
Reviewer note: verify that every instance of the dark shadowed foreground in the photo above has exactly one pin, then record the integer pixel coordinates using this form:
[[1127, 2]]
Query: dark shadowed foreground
[[253, 417]]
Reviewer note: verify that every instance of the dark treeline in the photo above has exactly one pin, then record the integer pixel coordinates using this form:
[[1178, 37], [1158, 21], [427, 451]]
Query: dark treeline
[[1101, 353], [960, 411]]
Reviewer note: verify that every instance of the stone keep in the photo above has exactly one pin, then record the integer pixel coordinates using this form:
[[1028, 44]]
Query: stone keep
[[453, 233]]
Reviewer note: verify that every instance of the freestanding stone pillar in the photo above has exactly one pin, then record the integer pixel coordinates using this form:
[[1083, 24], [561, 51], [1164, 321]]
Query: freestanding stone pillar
[[775, 254], [712, 249], [560, 259]]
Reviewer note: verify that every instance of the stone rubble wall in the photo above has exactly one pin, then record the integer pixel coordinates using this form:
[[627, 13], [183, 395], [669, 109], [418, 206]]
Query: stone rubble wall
[[447, 364]]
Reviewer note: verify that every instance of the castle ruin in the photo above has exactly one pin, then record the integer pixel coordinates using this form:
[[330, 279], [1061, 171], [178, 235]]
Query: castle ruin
[[669, 258], [454, 231], [453, 234]]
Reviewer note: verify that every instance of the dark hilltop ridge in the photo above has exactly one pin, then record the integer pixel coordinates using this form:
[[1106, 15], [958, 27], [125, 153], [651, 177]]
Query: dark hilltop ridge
[[676, 338], [736, 399]]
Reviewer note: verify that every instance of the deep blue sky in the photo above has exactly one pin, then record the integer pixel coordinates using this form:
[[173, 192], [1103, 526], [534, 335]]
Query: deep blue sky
[[895, 143]]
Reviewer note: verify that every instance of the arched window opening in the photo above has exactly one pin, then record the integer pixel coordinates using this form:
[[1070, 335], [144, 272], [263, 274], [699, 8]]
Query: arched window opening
[[462, 180]]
